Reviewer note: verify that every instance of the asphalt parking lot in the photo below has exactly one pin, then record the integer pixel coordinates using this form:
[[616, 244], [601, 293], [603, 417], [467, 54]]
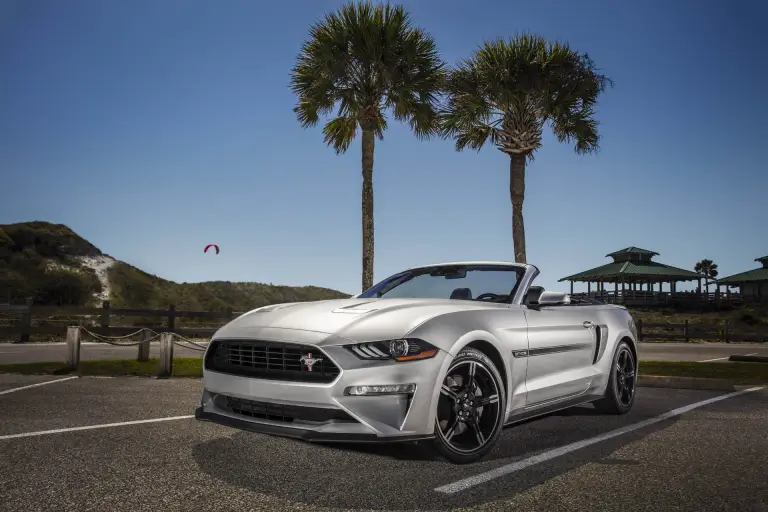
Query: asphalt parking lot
[[712, 457], [11, 353]]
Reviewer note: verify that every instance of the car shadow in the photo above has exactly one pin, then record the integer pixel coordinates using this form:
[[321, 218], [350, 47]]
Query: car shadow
[[579, 411], [401, 476], [424, 451], [404, 476], [414, 450]]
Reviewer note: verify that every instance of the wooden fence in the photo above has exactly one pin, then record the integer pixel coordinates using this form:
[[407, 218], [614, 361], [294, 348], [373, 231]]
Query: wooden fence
[[23, 321], [53, 321], [655, 298], [691, 331]]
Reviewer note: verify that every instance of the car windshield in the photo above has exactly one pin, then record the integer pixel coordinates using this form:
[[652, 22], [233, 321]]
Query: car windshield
[[487, 283]]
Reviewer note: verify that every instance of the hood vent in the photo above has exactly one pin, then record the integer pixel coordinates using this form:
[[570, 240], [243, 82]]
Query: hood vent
[[272, 307], [356, 309]]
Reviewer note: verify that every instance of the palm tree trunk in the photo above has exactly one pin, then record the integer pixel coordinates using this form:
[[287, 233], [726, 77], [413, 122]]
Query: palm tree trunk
[[517, 195], [368, 142]]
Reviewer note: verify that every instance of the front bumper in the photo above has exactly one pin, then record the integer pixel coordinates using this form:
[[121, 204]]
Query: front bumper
[[298, 433], [354, 418]]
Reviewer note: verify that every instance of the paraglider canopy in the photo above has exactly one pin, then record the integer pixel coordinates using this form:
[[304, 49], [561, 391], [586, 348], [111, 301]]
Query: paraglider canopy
[[211, 245]]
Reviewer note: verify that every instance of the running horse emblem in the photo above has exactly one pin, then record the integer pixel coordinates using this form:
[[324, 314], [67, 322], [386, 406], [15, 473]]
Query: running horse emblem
[[309, 361]]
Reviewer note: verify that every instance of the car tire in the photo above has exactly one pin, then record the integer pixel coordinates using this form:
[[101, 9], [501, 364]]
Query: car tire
[[470, 411], [620, 392]]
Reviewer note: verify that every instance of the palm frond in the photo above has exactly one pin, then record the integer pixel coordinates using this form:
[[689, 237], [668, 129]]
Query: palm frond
[[707, 268], [508, 89], [339, 133], [363, 60], [469, 115]]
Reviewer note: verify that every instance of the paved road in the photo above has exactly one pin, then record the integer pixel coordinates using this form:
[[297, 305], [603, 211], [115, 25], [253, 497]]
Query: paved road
[[701, 352], [35, 352], [710, 458]]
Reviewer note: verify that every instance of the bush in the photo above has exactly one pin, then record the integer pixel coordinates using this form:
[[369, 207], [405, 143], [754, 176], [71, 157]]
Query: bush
[[66, 288], [750, 319]]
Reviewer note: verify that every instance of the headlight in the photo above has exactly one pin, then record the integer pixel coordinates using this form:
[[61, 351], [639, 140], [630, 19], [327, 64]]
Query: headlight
[[409, 349]]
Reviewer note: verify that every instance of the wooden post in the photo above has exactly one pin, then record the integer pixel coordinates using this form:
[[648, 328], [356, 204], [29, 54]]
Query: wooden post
[[166, 355], [144, 346], [105, 316], [171, 318], [685, 331], [725, 331], [73, 347], [26, 323], [639, 329]]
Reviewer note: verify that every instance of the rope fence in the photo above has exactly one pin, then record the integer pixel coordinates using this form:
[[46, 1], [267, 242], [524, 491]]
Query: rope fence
[[168, 340], [110, 340]]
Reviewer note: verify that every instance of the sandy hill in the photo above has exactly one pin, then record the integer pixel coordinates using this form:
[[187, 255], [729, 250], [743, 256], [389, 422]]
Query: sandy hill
[[54, 265]]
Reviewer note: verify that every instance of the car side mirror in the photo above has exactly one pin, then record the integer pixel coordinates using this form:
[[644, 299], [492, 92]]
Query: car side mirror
[[551, 299]]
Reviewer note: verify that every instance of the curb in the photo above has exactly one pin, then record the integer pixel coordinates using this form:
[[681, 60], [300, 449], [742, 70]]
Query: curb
[[749, 359], [654, 381]]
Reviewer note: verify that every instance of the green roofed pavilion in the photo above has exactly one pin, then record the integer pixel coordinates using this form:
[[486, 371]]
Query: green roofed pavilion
[[752, 283], [632, 267], [628, 251]]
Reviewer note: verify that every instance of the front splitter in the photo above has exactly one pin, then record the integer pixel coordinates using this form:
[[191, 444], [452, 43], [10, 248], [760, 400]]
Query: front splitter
[[299, 433]]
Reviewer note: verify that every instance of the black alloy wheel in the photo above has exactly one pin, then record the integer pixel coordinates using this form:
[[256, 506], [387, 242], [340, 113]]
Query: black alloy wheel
[[620, 392], [470, 409]]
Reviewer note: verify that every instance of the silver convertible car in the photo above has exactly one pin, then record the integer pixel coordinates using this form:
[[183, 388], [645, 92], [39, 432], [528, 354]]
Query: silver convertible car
[[450, 352]]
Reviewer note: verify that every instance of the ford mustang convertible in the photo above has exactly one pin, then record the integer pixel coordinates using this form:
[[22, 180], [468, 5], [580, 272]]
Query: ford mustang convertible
[[450, 352]]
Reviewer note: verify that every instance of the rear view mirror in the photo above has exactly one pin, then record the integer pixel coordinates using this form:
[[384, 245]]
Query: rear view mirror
[[450, 273]]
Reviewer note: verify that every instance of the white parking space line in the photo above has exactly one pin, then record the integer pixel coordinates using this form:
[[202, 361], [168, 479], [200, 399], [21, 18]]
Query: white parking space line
[[716, 359], [36, 385], [92, 427], [466, 483]]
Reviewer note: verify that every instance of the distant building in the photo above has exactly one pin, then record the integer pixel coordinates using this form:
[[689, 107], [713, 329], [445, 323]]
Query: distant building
[[752, 284], [631, 270]]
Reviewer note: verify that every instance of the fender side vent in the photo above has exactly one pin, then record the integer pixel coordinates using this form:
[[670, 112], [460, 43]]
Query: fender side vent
[[598, 341]]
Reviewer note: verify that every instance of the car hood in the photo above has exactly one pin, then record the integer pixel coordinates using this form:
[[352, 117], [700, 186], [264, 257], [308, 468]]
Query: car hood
[[354, 319]]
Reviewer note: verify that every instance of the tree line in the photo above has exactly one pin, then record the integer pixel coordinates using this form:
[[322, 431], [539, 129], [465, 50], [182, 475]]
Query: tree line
[[367, 60]]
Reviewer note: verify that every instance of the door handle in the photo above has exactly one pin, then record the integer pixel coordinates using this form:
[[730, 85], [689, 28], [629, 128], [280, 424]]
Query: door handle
[[588, 325]]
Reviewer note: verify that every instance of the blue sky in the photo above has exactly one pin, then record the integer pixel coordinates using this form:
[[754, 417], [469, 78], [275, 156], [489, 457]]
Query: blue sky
[[154, 128]]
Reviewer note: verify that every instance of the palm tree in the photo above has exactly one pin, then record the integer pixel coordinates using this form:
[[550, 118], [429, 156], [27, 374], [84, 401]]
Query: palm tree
[[708, 269], [364, 60], [507, 90]]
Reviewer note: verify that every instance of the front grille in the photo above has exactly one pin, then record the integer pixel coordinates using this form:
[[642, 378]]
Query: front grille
[[280, 412], [270, 360]]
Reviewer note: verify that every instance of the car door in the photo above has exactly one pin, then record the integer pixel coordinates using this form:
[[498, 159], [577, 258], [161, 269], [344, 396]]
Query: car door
[[561, 347]]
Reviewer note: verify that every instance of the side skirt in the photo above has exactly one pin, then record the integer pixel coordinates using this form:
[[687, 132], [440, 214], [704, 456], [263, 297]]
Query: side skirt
[[524, 415]]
